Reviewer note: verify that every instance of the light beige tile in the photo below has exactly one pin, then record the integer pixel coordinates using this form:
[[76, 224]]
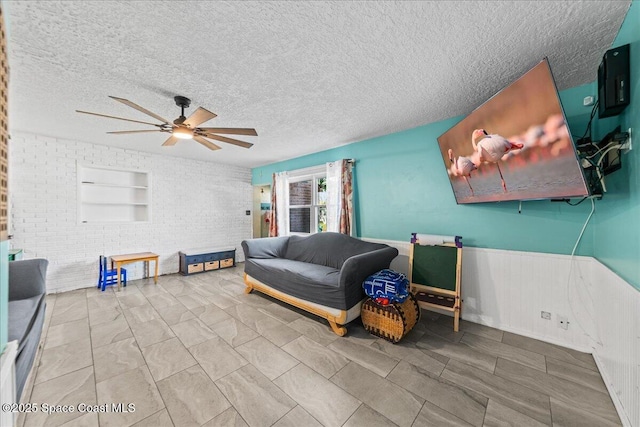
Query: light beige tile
[[223, 301], [280, 312], [390, 400], [502, 416], [368, 357], [464, 403], [432, 416], [325, 401], [255, 299], [568, 415], [75, 310], [582, 376], [258, 400], [229, 418], [151, 332], [89, 419], [458, 351], [141, 314], [134, 299], [365, 416], [160, 300], [63, 359], [281, 334], [579, 396], [210, 314], [114, 359], [234, 332], [192, 332], [267, 357], [319, 331], [166, 358], [102, 301], [297, 417], [70, 389], [509, 393], [505, 351], [481, 330], [192, 302], [97, 317], [135, 386], [217, 358], [409, 353], [108, 333], [250, 316], [319, 358], [191, 397], [175, 314], [67, 333], [568, 355], [159, 419]]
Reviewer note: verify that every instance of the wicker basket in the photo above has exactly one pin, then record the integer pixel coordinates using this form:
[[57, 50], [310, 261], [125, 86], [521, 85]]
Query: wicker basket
[[391, 322]]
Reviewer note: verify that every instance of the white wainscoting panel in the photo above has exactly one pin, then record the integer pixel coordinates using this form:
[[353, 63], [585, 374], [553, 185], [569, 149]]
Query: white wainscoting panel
[[508, 290], [617, 353], [8, 382]]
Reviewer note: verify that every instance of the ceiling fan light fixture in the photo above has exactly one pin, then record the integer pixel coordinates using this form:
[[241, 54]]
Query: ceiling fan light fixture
[[183, 133]]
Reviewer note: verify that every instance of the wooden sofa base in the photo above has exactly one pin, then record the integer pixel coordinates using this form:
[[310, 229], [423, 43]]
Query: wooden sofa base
[[336, 322]]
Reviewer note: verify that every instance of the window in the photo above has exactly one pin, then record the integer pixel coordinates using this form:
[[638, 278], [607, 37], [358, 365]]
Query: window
[[307, 203]]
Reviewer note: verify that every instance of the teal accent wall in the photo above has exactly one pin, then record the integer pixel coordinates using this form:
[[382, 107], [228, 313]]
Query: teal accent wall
[[617, 231], [401, 186], [4, 293]]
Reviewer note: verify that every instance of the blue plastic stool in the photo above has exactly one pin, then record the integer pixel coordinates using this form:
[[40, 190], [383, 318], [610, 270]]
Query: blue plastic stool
[[110, 277]]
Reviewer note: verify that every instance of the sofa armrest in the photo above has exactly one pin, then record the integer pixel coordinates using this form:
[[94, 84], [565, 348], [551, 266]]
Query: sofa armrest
[[27, 278], [268, 247], [357, 268]]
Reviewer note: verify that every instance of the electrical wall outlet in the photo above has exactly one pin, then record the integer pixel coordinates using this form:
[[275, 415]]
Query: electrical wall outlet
[[545, 315], [588, 100], [563, 322], [626, 147]]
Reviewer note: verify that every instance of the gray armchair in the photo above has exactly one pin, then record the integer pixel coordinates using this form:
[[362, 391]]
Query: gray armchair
[[27, 289]]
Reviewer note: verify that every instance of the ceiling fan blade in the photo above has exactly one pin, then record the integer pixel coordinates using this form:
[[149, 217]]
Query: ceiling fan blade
[[230, 131], [210, 145], [139, 108], [199, 116], [229, 140], [119, 118], [122, 132], [171, 141]]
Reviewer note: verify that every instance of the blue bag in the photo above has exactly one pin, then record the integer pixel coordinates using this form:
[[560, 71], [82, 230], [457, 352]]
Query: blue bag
[[387, 284]]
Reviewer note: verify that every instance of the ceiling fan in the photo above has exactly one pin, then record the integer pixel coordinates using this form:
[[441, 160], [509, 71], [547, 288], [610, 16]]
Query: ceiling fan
[[183, 127]]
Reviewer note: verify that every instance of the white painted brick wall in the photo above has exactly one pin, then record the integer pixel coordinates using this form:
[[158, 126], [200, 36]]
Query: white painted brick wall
[[194, 204]]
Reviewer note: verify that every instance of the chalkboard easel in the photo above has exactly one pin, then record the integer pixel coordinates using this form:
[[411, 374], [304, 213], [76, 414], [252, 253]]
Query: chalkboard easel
[[434, 274]]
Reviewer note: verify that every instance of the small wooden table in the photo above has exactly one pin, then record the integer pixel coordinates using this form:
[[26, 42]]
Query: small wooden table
[[119, 260]]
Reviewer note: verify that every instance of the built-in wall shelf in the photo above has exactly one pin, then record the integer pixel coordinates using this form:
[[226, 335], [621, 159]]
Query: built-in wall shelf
[[104, 184], [113, 195]]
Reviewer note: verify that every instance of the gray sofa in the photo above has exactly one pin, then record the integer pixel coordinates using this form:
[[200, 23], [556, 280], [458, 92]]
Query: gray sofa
[[27, 303], [321, 273]]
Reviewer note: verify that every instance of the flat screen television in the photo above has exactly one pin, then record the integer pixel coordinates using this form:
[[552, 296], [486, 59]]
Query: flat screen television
[[515, 146]]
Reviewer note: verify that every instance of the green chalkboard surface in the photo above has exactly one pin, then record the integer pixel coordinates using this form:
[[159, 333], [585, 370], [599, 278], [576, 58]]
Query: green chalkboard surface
[[435, 266]]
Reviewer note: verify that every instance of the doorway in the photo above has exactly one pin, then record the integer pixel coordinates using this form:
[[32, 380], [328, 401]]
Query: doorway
[[261, 210]]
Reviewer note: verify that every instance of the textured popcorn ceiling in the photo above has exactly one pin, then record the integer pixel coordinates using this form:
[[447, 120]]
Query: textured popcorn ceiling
[[307, 75]]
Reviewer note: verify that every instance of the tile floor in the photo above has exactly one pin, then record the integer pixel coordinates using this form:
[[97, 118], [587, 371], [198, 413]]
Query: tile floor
[[197, 351]]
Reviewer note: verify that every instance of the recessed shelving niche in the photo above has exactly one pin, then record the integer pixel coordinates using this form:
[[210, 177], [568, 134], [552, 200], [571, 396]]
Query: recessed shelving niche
[[113, 195]]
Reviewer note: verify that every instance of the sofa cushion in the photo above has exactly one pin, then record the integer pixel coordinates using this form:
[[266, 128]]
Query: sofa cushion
[[329, 249], [315, 283], [22, 315]]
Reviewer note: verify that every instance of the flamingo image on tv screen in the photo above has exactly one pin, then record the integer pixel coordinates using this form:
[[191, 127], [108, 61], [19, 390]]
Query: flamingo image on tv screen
[[515, 146]]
